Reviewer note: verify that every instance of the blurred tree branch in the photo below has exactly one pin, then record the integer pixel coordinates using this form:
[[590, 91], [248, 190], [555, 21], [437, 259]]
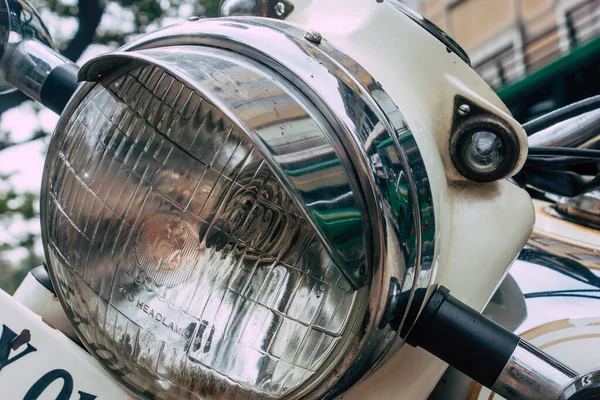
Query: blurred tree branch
[[6, 143], [89, 15], [8, 101], [121, 20]]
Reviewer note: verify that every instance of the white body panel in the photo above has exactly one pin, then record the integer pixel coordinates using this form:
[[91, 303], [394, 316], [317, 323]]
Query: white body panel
[[53, 351], [43, 302], [423, 78], [559, 230], [480, 228]]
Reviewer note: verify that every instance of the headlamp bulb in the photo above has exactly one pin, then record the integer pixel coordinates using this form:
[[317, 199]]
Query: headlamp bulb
[[482, 152], [483, 148]]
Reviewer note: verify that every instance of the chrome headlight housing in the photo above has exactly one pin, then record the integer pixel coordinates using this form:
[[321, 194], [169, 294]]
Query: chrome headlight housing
[[234, 210]]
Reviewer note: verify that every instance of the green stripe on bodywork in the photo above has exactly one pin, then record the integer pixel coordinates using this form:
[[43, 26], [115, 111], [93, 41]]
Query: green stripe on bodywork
[[558, 67]]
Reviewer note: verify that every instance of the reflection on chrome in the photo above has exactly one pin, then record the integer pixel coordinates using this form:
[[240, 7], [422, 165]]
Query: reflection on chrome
[[237, 211], [20, 23], [200, 263]]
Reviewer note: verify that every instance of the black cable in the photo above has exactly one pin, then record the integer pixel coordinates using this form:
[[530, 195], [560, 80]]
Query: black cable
[[550, 169], [564, 266], [557, 162], [547, 169], [563, 293], [570, 291], [561, 159], [542, 295], [562, 114], [463, 337], [564, 151], [559, 182]]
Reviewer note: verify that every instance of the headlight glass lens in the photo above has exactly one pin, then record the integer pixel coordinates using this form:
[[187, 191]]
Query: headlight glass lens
[[187, 267]]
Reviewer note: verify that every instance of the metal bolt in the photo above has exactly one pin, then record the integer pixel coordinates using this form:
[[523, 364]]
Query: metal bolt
[[464, 109], [280, 9], [313, 36], [193, 18]]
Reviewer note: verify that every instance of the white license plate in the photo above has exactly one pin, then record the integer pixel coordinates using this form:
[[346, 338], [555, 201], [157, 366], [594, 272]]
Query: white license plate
[[38, 362]]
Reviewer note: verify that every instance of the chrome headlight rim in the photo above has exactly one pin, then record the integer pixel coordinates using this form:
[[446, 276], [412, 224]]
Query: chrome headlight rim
[[124, 62], [381, 329]]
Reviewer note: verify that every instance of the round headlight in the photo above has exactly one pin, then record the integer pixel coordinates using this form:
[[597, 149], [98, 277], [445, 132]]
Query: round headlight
[[226, 228]]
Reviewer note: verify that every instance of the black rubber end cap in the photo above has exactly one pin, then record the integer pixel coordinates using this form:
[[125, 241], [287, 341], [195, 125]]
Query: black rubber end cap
[[59, 86]]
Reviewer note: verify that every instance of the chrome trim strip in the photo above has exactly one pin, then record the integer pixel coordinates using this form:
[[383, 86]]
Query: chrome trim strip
[[433, 29]]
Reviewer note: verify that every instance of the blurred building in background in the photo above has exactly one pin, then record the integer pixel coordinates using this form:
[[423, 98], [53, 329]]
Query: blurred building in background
[[537, 54]]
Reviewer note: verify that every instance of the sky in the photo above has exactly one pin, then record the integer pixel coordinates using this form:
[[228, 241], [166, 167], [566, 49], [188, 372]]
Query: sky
[[26, 162]]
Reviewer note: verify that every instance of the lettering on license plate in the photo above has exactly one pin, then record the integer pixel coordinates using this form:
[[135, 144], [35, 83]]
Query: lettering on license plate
[[10, 343]]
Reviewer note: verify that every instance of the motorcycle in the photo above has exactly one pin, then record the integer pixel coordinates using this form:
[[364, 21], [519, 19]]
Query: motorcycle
[[307, 199]]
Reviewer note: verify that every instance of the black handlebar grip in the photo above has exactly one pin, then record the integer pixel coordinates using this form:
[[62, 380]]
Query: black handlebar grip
[[464, 338], [59, 86]]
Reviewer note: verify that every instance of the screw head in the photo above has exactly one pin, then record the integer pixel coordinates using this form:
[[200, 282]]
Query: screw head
[[280, 9], [464, 109], [313, 36], [193, 18]]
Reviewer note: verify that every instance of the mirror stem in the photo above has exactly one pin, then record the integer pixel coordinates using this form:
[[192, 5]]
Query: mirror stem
[[42, 74], [487, 352]]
